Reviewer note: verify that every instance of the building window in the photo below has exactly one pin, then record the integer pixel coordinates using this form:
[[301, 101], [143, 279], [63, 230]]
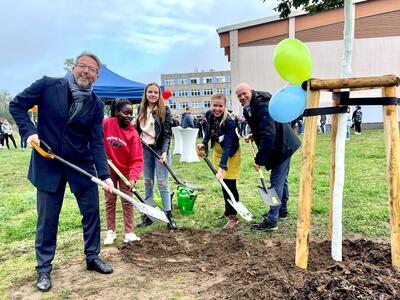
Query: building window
[[207, 104], [228, 78], [173, 94], [194, 80], [196, 104], [172, 105], [208, 92], [228, 91], [220, 79], [195, 92], [182, 93], [182, 81], [221, 91], [184, 104], [169, 82], [207, 79]]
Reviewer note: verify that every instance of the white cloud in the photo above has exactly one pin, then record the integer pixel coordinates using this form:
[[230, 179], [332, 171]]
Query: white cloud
[[147, 36]]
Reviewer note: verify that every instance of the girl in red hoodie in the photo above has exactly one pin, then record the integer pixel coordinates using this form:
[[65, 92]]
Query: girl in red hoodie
[[124, 149]]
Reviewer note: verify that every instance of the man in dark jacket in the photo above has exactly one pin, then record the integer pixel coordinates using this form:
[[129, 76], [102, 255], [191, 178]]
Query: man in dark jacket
[[276, 144], [187, 119], [70, 121]]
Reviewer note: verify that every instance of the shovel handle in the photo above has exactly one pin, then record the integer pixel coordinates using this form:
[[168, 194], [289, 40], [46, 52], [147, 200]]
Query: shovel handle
[[116, 170], [260, 172], [173, 174]]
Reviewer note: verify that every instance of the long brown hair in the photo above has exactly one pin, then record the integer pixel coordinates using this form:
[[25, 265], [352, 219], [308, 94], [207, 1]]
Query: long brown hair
[[160, 106]]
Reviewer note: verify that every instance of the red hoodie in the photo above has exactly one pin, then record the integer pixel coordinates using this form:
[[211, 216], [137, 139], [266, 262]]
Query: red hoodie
[[123, 147]]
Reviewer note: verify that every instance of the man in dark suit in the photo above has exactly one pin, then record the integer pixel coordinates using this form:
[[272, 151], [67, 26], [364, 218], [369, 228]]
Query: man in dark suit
[[70, 121], [276, 144]]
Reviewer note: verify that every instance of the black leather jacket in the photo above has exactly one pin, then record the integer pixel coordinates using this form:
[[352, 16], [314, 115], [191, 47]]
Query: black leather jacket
[[276, 141], [163, 131]]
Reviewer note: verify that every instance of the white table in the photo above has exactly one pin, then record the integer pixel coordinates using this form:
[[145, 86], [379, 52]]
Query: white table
[[189, 136], [178, 140]]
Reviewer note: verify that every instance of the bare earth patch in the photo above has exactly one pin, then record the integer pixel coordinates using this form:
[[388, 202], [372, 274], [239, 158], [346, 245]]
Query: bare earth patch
[[202, 264]]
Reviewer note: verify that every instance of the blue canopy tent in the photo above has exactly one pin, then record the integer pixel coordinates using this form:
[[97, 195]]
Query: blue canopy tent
[[111, 85]]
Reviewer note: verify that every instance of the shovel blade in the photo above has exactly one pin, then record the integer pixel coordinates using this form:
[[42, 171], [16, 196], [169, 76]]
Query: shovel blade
[[241, 209], [270, 197]]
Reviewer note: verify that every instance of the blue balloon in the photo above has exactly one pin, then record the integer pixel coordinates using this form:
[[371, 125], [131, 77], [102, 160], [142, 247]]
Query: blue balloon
[[288, 103]]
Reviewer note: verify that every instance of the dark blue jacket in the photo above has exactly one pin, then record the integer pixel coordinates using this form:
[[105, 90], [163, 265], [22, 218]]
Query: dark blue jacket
[[276, 141], [79, 140], [229, 145], [187, 120]]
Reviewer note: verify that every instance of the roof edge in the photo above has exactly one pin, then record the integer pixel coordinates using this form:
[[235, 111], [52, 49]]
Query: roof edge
[[265, 20]]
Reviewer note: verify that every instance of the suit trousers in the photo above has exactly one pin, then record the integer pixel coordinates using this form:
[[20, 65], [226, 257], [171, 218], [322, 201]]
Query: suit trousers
[[48, 210]]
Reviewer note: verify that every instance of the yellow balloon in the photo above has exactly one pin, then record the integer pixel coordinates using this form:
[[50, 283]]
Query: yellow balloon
[[292, 61]]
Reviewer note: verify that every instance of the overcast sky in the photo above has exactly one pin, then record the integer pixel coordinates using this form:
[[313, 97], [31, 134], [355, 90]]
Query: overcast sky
[[138, 39]]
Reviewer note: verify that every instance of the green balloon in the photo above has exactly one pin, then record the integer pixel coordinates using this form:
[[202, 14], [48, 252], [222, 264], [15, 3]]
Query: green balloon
[[292, 61]]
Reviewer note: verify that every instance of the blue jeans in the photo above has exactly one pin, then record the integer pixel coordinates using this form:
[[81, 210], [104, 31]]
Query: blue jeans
[[279, 181], [151, 168]]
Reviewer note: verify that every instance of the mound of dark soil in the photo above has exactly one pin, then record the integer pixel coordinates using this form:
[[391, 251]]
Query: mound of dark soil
[[237, 268]]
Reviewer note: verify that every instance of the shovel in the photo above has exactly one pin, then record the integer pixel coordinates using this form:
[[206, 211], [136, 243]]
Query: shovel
[[238, 206], [268, 195], [148, 200], [178, 181], [142, 207]]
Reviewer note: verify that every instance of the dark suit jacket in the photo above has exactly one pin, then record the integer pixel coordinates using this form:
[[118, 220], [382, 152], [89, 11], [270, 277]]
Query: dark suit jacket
[[276, 141], [79, 140]]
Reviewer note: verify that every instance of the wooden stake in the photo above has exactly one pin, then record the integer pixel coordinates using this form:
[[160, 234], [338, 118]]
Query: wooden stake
[[334, 126], [306, 176], [392, 144], [330, 84]]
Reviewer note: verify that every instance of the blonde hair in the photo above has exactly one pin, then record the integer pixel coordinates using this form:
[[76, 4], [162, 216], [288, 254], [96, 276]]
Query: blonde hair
[[144, 104], [226, 113]]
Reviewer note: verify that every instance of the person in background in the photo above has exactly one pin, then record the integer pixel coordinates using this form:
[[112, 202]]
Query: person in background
[[124, 149], [71, 124], [322, 122], [298, 122], [187, 118], [154, 127], [221, 131], [199, 125], [276, 144], [7, 133], [357, 119], [243, 125], [1, 135]]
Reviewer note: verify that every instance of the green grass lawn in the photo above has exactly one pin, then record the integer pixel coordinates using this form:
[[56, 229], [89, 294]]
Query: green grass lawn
[[365, 203]]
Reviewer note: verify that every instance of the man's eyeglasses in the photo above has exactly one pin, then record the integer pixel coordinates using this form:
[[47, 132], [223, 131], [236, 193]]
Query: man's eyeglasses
[[91, 69]]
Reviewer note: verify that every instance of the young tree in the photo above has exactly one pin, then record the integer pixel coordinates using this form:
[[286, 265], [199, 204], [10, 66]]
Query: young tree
[[5, 99], [285, 7], [68, 64], [313, 6]]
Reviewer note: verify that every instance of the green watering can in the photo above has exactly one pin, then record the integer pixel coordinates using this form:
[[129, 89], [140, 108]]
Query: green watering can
[[186, 200]]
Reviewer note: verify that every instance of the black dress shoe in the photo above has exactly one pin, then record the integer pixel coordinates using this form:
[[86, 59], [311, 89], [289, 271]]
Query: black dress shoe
[[43, 282], [146, 221], [99, 266]]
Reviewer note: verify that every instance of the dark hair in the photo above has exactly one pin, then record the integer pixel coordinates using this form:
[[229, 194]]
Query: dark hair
[[118, 104]]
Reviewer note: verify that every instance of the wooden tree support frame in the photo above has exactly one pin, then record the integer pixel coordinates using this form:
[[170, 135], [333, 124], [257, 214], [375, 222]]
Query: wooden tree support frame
[[388, 85]]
